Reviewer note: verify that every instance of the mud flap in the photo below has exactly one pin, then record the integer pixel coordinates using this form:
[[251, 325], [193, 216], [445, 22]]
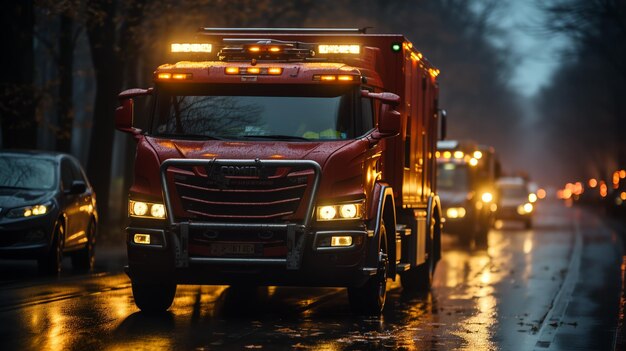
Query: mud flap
[[181, 245], [295, 247]]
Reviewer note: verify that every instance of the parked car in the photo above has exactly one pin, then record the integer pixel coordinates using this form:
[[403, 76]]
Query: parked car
[[47, 210]]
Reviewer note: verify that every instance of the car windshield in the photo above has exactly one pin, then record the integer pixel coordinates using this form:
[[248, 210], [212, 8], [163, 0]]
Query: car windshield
[[263, 113], [513, 192], [27, 173], [451, 176]]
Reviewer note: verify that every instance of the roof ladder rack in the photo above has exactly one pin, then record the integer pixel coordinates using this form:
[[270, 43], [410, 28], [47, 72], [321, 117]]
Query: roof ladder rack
[[286, 30]]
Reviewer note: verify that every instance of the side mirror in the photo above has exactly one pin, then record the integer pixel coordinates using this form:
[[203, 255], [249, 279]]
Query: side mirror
[[443, 120], [124, 114], [389, 123], [78, 187]]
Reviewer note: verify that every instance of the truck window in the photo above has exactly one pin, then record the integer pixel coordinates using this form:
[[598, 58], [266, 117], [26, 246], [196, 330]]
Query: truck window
[[451, 176], [269, 112]]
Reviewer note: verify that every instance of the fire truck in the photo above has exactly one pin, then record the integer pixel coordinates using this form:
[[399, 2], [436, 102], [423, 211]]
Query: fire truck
[[289, 157], [467, 174]]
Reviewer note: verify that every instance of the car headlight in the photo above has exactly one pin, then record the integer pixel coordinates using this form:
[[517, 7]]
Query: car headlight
[[339, 212], [487, 197], [30, 211], [143, 209], [455, 212], [525, 208]]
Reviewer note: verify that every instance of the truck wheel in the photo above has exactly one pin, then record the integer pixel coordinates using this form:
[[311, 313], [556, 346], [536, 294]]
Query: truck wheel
[[153, 298], [370, 298], [52, 261], [84, 259]]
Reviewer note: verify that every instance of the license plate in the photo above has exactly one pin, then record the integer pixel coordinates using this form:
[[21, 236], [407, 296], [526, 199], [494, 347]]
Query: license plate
[[226, 249]]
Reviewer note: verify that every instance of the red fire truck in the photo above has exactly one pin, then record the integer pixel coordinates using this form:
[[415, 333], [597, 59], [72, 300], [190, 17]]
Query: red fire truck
[[286, 157]]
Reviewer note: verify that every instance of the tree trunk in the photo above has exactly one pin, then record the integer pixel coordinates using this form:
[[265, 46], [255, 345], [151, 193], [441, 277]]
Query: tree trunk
[[17, 90], [65, 108]]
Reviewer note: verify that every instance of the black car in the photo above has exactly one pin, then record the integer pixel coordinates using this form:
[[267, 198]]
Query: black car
[[47, 210]]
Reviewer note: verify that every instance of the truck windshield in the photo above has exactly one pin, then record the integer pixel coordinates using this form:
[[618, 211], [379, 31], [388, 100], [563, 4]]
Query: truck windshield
[[268, 112], [452, 177]]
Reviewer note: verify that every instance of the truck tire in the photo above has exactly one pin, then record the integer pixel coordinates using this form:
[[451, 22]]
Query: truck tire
[[153, 297], [370, 298]]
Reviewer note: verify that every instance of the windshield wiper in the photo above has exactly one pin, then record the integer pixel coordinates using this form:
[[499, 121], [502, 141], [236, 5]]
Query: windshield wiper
[[276, 136]]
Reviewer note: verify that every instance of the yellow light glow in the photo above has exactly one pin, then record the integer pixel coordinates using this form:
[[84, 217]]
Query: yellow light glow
[[232, 70], [138, 208], [339, 49], [327, 212], [341, 241], [455, 212], [622, 173], [493, 207], [478, 155], [28, 212], [328, 78], [528, 207], [458, 154], [348, 211], [181, 76], [157, 210], [437, 154], [447, 154], [39, 210], [487, 197], [163, 75], [275, 70], [593, 183], [253, 70], [416, 57], [189, 47], [532, 197], [541, 194], [274, 49], [473, 162], [254, 49], [603, 189], [622, 195], [141, 239], [345, 77], [433, 72]]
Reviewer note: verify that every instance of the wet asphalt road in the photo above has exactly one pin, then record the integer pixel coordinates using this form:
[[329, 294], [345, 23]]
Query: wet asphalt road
[[555, 287]]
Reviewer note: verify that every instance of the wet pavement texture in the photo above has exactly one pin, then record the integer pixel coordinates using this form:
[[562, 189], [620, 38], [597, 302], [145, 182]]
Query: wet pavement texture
[[554, 287]]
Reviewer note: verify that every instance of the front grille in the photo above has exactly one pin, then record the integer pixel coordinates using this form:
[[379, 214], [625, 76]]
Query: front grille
[[204, 194]]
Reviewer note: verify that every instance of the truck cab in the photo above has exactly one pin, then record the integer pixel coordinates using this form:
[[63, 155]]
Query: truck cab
[[466, 177], [285, 157]]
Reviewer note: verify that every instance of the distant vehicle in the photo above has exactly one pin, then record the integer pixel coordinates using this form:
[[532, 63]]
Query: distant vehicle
[[466, 177], [514, 203], [47, 209]]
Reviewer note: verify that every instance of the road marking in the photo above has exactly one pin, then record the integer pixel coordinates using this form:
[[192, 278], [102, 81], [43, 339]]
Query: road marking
[[553, 318]]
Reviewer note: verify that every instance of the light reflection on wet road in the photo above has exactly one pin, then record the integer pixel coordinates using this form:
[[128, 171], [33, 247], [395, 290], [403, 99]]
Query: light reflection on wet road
[[511, 295]]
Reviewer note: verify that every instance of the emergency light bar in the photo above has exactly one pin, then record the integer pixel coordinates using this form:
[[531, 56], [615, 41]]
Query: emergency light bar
[[339, 49], [191, 47]]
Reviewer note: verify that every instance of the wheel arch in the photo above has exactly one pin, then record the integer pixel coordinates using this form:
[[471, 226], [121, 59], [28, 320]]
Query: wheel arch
[[383, 209]]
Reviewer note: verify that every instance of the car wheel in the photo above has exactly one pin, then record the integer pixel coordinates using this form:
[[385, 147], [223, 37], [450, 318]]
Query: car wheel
[[370, 297], [84, 259], [52, 261], [153, 297]]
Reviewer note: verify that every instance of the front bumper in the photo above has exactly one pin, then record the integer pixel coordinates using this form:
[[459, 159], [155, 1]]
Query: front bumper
[[26, 238], [300, 261]]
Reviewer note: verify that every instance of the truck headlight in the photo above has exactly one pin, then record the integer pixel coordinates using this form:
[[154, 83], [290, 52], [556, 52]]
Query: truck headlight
[[486, 197], [338, 212], [30, 211], [455, 212], [143, 209]]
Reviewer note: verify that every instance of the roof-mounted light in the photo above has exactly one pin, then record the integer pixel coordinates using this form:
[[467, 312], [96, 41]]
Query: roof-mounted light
[[273, 71], [339, 49], [191, 47], [173, 76], [335, 77]]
